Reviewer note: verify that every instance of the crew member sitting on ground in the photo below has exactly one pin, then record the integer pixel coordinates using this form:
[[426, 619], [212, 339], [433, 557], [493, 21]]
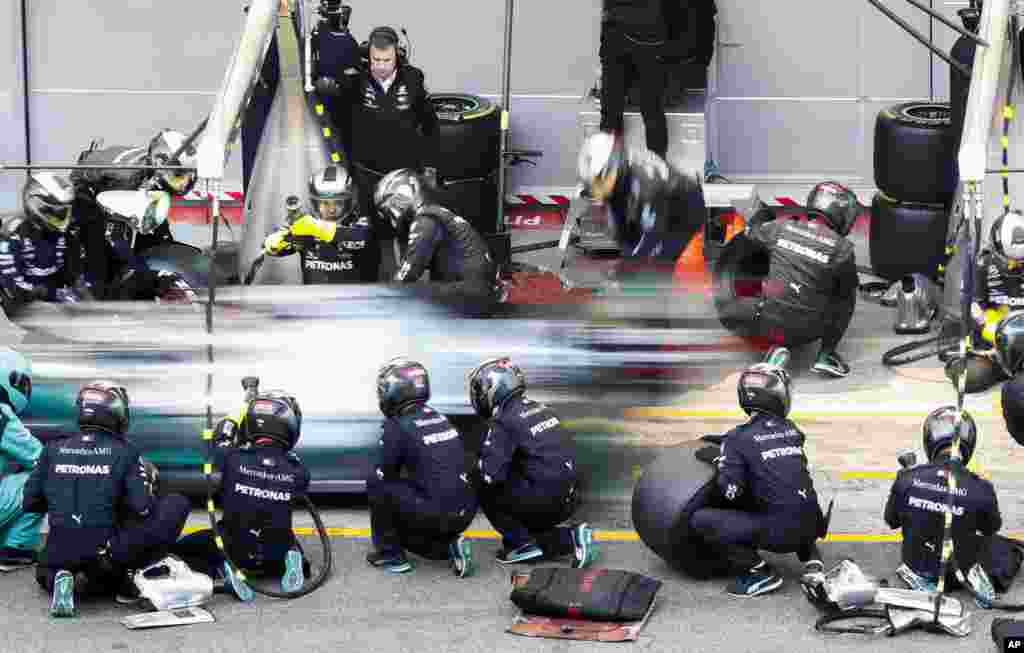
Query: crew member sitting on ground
[[811, 289], [920, 497], [335, 243], [427, 510], [528, 468], [98, 493], [763, 475], [262, 478]]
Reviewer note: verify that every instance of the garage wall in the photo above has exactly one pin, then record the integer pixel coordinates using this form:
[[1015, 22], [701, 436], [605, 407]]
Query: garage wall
[[12, 125], [798, 85], [795, 87]]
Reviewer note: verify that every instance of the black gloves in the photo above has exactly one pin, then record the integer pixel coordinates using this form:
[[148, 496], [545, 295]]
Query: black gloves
[[709, 454]]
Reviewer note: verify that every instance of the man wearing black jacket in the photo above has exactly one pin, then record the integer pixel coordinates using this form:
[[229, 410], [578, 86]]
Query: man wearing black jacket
[[811, 289], [392, 123]]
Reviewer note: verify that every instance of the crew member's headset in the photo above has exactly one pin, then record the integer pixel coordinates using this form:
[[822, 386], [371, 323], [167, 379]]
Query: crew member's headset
[[388, 34]]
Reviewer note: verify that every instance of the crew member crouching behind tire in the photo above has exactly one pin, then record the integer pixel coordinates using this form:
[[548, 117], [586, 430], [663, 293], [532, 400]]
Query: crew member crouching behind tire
[[811, 289], [463, 276], [762, 473], [920, 497], [262, 478], [528, 469], [426, 512], [335, 244], [105, 519]]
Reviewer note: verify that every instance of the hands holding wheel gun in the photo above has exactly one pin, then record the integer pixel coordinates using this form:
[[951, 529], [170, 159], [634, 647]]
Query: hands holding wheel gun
[[300, 231]]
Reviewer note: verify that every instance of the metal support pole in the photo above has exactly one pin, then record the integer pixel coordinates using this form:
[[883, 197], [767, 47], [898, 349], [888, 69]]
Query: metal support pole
[[213, 188], [506, 100], [24, 74], [922, 39]]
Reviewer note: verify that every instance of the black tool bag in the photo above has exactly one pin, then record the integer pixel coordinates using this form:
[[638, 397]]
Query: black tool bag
[[596, 594], [1001, 557]]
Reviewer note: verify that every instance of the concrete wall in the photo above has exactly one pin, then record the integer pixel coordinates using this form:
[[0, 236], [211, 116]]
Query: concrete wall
[[796, 85], [12, 117]]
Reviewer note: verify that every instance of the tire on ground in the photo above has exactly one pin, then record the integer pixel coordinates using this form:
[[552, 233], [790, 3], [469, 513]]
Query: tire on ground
[[915, 156], [470, 135], [736, 282], [671, 489], [907, 238]]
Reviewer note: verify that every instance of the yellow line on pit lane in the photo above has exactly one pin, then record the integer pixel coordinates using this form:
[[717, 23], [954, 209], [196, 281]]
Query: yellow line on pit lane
[[681, 413], [603, 535]]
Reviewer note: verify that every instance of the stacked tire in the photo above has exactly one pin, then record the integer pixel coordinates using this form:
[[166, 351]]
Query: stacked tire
[[467, 164], [915, 172]]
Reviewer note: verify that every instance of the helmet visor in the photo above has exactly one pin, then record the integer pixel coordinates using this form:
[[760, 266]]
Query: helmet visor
[[56, 216]]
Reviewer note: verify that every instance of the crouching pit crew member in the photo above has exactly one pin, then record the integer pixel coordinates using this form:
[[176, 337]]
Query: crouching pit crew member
[[335, 244], [462, 273], [654, 209], [19, 453], [261, 479], [98, 493], [528, 468], [811, 289], [763, 475], [35, 263], [920, 497], [427, 511]]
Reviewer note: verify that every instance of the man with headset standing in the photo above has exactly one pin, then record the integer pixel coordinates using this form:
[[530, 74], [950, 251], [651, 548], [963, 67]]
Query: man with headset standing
[[393, 124]]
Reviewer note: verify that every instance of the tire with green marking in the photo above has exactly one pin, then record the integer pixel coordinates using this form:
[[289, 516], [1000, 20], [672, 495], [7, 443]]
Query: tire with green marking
[[470, 135]]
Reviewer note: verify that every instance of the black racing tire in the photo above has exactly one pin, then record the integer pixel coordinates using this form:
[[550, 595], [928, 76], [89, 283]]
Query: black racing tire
[[475, 199], [915, 152], [907, 238], [671, 489], [470, 135], [741, 265]]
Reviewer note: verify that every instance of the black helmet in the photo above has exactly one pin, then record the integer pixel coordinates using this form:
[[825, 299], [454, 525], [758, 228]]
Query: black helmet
[[334, 184], [1013, 407], [398, 196], [765, 388], [103, 406], [492, 383], [401, 382], [600, 164], [47, 199], [162, 150], [276, 415], [836, 203], [1009, 342], [939, 429], [15, 380], [1007, 246]]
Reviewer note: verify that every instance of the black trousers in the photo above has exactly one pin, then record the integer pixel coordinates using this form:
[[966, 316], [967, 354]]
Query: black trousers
[[382, 253], [740, 533], [200, 551], [623, 63], [790, 328], [523, 511], [402, 518], [131, 547]]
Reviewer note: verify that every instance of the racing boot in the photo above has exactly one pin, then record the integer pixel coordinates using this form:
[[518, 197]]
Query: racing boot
[[294, 576], [830, 363], [525, 553], [236, 581], [396, 563], [760, 579], [62, 604], [461, 555], [915, 305], [777, 356], [584, 551]]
